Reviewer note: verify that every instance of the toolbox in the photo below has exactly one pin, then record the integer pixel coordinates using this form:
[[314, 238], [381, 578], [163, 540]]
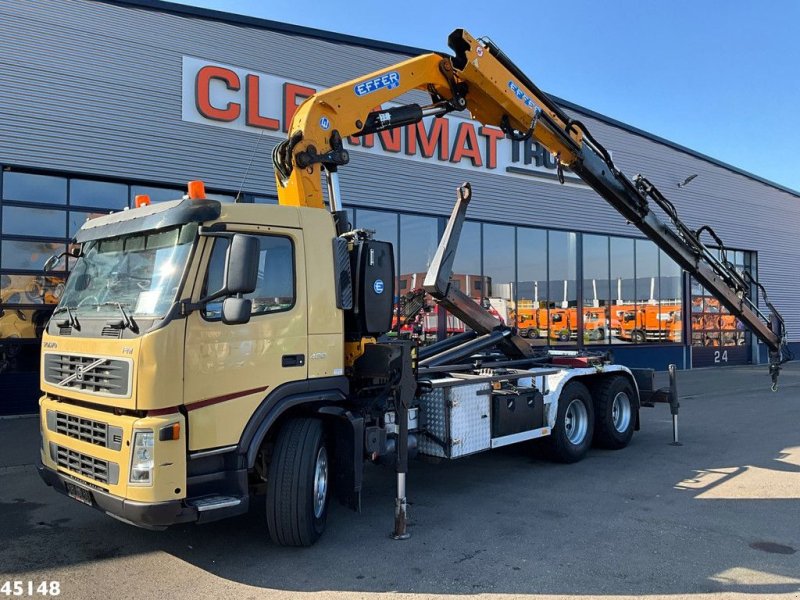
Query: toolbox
[[516, 410]]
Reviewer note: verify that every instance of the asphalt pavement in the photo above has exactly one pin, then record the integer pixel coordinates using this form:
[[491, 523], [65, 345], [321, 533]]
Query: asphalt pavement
[[717, 517]]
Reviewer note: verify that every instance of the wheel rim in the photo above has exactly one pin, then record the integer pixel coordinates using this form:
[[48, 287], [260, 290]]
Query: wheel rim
[[576, 422], [621, 412], [320, 482]]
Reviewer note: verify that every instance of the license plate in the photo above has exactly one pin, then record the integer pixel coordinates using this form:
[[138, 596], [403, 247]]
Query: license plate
[[79, 494]]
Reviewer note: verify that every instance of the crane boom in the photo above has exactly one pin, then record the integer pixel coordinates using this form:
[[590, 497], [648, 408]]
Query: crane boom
[[479, 77]]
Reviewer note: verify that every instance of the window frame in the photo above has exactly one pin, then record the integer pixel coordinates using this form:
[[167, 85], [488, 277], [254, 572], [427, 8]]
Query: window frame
[[204, 288]]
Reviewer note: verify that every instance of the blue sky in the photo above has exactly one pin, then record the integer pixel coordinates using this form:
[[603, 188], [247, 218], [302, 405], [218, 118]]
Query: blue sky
[[719, 76]]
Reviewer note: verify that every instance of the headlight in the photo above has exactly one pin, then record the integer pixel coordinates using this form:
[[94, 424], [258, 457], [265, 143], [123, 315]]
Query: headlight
[[142, 458]]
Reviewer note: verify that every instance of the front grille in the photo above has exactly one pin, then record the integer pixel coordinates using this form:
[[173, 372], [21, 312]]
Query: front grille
[[65, 330], [85, 430], [94, 375], [97, 469], [113, 332]]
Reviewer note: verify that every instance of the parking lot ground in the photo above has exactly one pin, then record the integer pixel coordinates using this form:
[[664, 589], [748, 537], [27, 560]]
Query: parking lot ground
[[718, 517]]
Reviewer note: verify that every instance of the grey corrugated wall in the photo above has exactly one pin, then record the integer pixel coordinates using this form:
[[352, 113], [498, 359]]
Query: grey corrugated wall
[[96, 88]]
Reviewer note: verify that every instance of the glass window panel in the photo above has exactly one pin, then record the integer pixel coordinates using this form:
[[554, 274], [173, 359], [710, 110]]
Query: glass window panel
[[384, 224], [671, 289], [531, 314], [78, 218], [18, 324], [30, 289], [27, 187], [562, 301], [157, 194], [220, 197], [419, 237], [265, 200], [499, 270], [29, 255], [712, 323], [100, 194], [648, 325], [34, 221], [275, 288], [467, 263], [596, 290], [623, 291]]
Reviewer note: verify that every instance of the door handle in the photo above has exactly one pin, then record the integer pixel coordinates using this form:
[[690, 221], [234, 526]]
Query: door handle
[[293, 360]]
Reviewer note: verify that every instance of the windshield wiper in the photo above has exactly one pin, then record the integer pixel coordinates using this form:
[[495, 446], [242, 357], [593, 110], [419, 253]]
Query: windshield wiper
[[71, 320], [127, 320]]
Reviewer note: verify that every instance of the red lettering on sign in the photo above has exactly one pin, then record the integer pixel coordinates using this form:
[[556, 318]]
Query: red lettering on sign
[[291, 94], [391, 139], [254, 118], [438, 134], [492, 135], [202, 93], [466, 145]]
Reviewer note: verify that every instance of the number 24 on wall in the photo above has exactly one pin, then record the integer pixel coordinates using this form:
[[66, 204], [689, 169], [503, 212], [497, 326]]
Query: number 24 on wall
[[720, 357]]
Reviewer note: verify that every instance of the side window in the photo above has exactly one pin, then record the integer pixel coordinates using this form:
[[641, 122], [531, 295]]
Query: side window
[[275, 290]]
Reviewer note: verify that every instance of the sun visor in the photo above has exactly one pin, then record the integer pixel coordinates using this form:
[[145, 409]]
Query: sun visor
[[149, 218]]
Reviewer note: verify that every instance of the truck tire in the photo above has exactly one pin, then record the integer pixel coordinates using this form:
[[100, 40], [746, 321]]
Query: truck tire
[[572, 435], [638, 336], [564, 335], [298, 484], [615, 412]]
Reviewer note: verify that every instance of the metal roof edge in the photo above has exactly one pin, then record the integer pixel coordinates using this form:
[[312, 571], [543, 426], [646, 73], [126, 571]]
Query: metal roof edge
[[238, 19]]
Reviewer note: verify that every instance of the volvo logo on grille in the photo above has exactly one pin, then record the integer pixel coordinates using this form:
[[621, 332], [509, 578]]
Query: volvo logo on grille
[[80, 371]]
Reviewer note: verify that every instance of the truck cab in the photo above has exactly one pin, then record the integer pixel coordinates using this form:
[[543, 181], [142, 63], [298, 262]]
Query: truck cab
[[148, 389]]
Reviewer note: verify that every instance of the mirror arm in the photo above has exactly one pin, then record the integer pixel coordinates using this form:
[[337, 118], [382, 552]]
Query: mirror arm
[[188, 307]]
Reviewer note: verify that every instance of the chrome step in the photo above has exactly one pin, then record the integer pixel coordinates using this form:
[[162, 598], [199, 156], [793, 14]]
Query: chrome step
[[214, 502]]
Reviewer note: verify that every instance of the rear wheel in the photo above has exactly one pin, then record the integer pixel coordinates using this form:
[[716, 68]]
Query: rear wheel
[[298, 484], [615, 413], [572, 435]]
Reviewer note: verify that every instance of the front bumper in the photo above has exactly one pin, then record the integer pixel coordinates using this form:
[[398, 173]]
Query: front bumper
[[149, 515]]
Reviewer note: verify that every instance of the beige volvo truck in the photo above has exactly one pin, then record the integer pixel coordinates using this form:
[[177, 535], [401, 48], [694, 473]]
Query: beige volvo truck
[[203, 353]]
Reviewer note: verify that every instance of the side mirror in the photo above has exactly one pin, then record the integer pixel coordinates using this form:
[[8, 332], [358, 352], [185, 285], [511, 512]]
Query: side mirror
[[241, 269], [236, 311], [51, 262]]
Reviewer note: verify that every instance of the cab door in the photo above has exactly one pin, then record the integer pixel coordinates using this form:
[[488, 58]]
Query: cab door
[[230, 369]]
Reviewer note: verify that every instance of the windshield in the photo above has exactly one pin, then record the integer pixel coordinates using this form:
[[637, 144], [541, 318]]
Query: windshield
[[141, 272]]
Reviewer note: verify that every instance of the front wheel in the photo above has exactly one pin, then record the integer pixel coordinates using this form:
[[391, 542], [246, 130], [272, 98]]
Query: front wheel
[[572, 436], [298, 484]]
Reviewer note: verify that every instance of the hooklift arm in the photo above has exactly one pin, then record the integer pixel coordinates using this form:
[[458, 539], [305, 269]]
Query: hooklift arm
[[480, 78]]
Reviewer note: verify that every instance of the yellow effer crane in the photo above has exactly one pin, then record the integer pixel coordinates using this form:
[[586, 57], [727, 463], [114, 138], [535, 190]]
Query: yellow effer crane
[[481, 79]]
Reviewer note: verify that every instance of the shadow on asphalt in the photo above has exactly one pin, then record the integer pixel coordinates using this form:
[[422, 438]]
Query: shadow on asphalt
[[651, 519]]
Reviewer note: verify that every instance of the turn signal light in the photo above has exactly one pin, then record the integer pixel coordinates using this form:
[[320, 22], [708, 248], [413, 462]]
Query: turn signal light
[[170, 432], [142, 200], [197, 190]]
